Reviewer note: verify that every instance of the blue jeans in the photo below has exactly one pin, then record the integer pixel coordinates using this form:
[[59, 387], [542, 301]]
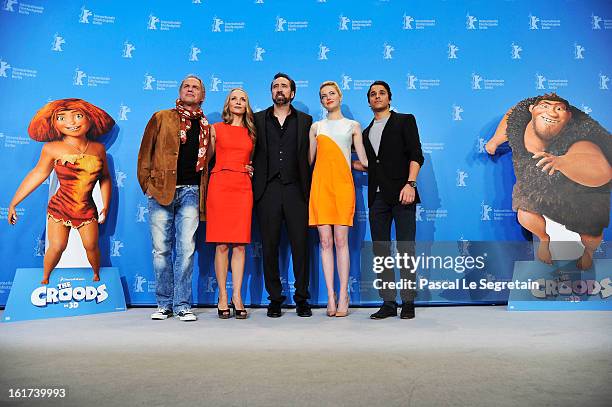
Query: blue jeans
[[173, 229]]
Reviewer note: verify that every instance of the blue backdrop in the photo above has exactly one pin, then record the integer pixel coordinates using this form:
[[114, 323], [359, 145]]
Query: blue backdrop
[[457, 66]]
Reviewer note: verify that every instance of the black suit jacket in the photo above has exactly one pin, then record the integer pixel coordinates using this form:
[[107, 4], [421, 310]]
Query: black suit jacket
[[260, 156], [399, 145]]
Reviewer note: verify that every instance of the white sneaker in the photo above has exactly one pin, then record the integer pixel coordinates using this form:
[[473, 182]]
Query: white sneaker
[[186, 315], [161, 314]]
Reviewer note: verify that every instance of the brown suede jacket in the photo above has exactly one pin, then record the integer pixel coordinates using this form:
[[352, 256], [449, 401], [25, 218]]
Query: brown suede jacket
[[157, 160]]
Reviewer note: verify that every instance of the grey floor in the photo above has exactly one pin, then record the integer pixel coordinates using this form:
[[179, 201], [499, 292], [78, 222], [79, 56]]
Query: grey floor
[[448, 356]]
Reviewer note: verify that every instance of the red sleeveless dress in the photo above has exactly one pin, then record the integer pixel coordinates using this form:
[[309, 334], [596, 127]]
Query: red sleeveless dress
[[229, 202]]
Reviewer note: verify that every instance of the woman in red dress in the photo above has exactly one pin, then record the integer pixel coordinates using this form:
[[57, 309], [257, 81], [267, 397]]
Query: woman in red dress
[[229, 201]]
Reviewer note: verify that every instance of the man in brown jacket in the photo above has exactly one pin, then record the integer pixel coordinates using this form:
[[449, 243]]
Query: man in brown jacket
[[172, 172]]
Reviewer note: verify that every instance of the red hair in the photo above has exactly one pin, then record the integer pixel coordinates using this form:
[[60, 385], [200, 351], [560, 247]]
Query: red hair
[[42, 126]]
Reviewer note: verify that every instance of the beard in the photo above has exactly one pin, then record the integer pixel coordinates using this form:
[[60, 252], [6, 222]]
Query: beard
[[280, 99], [544, 132], [380, 109]]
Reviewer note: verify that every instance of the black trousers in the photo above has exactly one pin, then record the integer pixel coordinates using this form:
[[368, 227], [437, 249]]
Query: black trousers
[[284, 202], [381, 216]]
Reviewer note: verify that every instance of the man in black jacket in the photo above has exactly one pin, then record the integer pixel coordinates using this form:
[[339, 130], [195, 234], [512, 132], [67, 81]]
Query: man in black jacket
[[394, 157], [281, 186]]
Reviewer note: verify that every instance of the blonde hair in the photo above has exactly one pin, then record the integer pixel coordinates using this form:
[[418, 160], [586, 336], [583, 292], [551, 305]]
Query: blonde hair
[[332, 84], [247, 118]]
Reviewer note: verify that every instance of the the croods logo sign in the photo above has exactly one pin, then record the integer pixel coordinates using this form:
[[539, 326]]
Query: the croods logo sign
[[68, 294], [554, 288]]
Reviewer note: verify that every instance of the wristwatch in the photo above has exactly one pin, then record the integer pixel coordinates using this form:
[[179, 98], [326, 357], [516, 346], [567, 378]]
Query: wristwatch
[[412, 184]]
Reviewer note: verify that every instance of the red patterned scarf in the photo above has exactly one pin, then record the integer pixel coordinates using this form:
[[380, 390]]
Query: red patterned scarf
[[186, 117]]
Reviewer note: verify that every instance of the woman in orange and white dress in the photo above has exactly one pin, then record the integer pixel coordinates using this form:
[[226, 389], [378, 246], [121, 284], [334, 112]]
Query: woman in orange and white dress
[[332, 193]]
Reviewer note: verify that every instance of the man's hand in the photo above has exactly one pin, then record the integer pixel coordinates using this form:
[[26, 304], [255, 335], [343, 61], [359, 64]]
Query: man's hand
[[407, 195], [250, 168], [357, 166], [549, 163]]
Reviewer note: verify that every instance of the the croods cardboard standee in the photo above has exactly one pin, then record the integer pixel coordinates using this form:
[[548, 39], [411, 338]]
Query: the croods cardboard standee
[[69, 128], [70, 292], [561, 158]]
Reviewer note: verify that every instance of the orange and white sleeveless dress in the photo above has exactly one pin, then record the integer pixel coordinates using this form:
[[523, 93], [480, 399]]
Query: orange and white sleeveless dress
[[332, 193]]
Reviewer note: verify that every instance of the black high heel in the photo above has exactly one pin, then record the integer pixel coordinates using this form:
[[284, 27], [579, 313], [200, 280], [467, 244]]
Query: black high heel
[[224, 313], [239, 313]]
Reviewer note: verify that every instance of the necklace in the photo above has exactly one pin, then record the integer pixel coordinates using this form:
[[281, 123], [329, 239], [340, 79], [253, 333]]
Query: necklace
[[76, 148]]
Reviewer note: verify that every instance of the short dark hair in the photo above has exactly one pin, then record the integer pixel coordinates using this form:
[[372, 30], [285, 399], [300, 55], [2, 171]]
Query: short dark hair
[[553, 97], [381, 83], [283, 75]]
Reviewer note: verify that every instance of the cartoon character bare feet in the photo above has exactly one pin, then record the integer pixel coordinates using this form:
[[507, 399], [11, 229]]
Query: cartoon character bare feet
[[96, 277], [585, 261], [44, 281], [544, 252]]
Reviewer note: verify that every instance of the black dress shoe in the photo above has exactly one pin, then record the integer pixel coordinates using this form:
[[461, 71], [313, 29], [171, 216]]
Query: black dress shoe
[[274, 309], [407, 310], [388, 309], [302, 309]]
